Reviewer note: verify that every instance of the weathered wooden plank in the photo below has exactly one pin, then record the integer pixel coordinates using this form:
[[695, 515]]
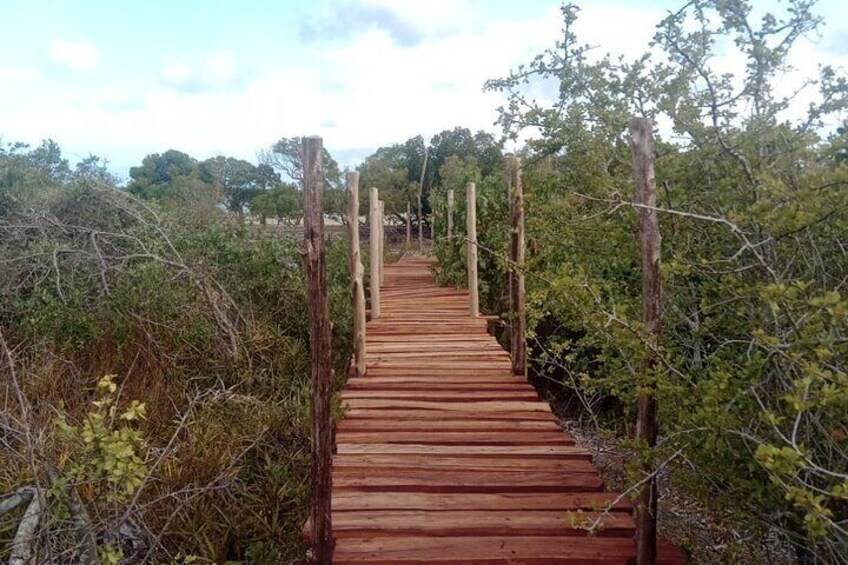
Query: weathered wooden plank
[[589, 501], [436, 414], [493, 550], [451, 425], [468, 450], [394, 523], [450, 480], [484, 463], [441, 395], [465, 437]]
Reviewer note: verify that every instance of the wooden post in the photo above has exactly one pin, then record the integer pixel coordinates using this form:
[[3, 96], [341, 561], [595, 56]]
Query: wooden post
[[408, 226], [420, 204], [518, 346], [382, 241], [374, 244], [450, 216], [319, 345], [471, 213], [641, 131], [356, 274]]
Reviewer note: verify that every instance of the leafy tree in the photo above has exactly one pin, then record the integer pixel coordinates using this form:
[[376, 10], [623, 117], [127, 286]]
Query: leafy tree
[[158, 171], [752, 386], [284, 202], [387, 169], [285, 157], [460, 142], [238, 180]]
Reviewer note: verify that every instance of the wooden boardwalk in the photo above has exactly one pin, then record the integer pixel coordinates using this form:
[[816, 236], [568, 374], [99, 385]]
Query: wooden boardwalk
[[445, 457]]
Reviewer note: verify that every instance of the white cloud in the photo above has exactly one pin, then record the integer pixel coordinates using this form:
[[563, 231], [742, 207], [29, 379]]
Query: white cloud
[[214, 71], [359, 95], [80, 56]]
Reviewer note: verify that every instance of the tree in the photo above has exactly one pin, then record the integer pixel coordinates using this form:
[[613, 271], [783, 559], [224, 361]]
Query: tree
[[753, 210], [387, 169], [238, 180], [285, 156], [283, 202], [158, 171], [461, 143]]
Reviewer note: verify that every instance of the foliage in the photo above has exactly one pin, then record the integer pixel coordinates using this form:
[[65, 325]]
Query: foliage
[[285, 156], [200, 445], [752, 385]]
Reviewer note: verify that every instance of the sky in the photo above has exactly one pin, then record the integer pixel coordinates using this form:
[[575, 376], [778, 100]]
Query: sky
[[211, 77]]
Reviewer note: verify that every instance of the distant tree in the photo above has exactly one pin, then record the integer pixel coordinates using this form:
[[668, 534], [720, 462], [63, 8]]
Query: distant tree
[[460, 142], [285, 156], [48, 159], [93, 168], [387, 169], [283, 202], [238, 181], [158, 171]]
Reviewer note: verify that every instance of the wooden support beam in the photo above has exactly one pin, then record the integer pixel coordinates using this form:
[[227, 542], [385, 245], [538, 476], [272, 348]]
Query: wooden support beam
[[408, 226], [420, 202], [319, 344], [518, 346], [641, 132], [382, 225], [374, 245], [471, 213], [450, 215], [356, 274]]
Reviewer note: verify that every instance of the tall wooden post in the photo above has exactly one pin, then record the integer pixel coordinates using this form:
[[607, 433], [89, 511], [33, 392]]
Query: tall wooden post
[[641, 131], [450, 215], [516, 271], [356, 273], [374, 245], [471, 213], [408, 226], [319, 345], [420, 202], [382, 241]]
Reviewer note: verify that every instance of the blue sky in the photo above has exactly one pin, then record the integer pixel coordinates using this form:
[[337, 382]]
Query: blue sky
[[124, 79]]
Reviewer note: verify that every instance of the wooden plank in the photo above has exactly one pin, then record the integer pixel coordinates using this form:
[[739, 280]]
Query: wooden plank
[[382, 462], [558, 451], [393, 523], [482, 405], [483, 550], [452, 425], [344, 501], [436, 414], [441, 395], [450, 480], [465, 437], [493, 550]]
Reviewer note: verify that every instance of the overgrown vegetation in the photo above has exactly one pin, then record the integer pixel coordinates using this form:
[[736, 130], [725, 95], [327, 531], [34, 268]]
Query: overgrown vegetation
[[752, 381], [155, 364], [154, 343]]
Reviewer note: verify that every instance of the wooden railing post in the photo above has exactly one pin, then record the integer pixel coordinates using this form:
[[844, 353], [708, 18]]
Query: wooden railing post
[[471, 213], [641, 131], [450, 215], [516, 268], [408, 226], [319, 345], [356, 274], [374, 245], [421, 203], [382, 241]]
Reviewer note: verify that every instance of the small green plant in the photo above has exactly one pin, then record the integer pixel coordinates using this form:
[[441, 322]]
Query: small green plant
[[106, 450]]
